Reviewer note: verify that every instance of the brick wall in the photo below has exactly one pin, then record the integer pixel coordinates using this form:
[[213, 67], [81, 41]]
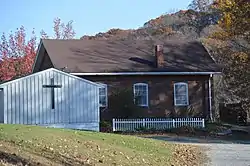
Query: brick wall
[[161, 94]]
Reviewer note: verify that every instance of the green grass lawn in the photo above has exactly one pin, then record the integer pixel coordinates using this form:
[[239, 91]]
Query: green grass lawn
[[47, 146], [68, 147]]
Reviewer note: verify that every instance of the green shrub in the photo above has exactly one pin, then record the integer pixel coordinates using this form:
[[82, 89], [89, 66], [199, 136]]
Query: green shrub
[[123, 105], [105, 124]]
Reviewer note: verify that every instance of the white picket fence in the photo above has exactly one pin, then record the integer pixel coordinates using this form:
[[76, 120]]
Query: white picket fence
[[156, 123]]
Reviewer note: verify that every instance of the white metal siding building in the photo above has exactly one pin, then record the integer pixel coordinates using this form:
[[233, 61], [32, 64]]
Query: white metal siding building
[[51, 98]]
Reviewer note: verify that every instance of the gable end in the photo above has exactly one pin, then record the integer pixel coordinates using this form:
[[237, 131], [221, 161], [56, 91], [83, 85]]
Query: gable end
[[42, 60]]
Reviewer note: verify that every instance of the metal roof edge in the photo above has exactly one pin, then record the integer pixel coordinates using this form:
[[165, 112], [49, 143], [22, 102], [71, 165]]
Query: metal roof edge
[[146, 73]]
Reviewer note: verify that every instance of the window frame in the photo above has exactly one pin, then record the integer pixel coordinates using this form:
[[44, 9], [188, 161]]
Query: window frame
[[106, 95], [187, 96], [134, 90]]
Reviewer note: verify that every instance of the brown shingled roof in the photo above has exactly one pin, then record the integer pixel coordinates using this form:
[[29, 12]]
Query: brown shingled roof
[[95, 56]]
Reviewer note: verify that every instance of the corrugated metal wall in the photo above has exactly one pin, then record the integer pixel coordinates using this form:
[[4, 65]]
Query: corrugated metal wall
[[1, 105], [26, 101]]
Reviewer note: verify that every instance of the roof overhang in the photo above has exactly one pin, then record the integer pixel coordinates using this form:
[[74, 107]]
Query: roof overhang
[[145, 73]]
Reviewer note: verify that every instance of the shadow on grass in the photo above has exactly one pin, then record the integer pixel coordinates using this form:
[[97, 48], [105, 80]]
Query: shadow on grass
[[41, 157], [15, 160], [56, 157]]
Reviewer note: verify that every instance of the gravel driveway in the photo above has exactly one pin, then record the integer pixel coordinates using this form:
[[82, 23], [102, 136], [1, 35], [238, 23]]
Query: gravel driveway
[[221, 153]]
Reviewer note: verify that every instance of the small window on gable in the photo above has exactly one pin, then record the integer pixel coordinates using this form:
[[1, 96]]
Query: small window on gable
[[141, 94], [181, 94], [103, 95]]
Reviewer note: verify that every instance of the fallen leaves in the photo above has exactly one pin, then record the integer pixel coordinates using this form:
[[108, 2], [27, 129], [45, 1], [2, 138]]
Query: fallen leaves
[[188, 155], [53, 146]]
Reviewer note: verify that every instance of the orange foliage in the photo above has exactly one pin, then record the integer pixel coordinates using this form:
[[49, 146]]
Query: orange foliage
[[163, 30], [156, 21]]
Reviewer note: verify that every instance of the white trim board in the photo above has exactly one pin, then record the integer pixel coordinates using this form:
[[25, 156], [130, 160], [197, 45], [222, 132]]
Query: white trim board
[[47, 70], [146, 73]]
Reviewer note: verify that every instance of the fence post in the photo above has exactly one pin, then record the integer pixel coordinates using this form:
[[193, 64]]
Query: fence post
[[143, 122], [203, 123], [173, 123], [113, 124]]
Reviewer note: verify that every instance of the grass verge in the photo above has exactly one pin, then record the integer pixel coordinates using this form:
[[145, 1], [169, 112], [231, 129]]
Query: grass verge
[[33, 145]]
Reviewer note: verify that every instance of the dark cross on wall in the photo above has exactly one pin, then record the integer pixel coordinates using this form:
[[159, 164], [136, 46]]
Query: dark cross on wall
[[52, 86]]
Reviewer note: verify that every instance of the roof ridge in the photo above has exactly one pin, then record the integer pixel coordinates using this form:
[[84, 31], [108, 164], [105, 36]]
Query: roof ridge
[[61, 39], [181, 40]]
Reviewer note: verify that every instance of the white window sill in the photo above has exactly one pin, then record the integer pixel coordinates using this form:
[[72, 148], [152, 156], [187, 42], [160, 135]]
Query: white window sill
[[142, 105], [181, 105]]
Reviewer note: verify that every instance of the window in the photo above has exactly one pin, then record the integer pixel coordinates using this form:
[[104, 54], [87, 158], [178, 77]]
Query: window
[[103, 95], [181, 94], [141, 94]]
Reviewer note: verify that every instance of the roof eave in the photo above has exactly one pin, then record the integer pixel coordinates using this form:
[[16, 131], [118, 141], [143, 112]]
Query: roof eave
[[146, 73]]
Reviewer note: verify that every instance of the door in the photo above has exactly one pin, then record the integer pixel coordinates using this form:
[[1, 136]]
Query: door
[[1, 105]]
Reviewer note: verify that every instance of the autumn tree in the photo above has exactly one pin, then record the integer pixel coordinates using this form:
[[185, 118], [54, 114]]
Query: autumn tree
[[17, 53], [61, 30], [235, 18], [235, 54], [200, 5]]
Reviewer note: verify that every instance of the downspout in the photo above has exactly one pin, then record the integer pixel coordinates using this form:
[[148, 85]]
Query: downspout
[[210, 97]]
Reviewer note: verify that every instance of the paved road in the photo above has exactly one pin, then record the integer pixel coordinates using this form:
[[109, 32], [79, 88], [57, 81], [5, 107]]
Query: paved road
[[221, 153], [228, 154]]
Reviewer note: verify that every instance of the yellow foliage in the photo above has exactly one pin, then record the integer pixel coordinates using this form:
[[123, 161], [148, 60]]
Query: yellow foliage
[[241, 56], [235, 25], [235, 16], [227, 20], [221, 35]]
